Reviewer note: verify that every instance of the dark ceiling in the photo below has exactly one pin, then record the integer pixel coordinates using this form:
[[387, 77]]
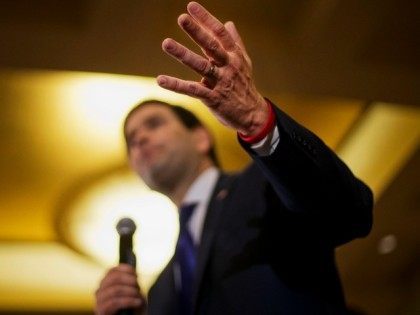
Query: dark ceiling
[[353, 49]]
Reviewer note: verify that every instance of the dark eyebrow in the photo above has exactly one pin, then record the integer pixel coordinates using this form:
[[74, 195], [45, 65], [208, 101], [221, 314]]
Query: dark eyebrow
[[152, 119], [148, 121]]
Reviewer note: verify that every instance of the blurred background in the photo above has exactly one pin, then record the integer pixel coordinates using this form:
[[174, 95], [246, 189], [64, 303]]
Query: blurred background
[[71, 70]]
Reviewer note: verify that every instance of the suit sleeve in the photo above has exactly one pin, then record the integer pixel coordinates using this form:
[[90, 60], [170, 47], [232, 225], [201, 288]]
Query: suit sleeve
[[310, 179]]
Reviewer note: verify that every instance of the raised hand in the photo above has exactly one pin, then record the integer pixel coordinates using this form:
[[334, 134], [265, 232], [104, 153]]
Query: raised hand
[[227, 85]]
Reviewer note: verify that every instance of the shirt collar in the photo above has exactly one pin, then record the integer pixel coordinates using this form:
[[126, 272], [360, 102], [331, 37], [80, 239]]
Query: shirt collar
[[199, 194], [201, 189]]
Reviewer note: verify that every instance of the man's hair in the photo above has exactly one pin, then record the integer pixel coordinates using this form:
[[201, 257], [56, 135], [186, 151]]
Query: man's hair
[[187, 119]]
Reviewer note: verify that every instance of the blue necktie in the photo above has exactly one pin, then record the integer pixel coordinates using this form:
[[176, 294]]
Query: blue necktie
[[186, 259]]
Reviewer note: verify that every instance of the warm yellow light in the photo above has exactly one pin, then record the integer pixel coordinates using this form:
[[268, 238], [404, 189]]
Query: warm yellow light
[[385, 138], [98, 103], [92, 219], [34, 274], [93, 106]]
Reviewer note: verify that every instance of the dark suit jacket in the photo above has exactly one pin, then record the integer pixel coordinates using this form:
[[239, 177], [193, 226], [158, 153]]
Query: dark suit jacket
[[270, 233]]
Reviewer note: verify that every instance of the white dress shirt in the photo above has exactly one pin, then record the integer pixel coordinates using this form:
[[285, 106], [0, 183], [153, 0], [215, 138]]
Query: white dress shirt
[[200, 192]]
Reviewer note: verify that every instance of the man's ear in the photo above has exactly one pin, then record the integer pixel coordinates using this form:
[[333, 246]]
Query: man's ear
[[202, 139]]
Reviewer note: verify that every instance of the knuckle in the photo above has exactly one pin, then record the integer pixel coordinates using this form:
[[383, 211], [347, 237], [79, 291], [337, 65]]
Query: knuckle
[[204, 16], [116, 291], [114, 269], [219, 30], [176, 85], [113, 291], [202, 66], [227, 84], [111, 277], [192, 89], [181, 52], [213, 45]]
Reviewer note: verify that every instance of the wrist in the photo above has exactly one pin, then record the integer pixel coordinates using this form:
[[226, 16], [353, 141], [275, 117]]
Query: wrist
[[267, 127]]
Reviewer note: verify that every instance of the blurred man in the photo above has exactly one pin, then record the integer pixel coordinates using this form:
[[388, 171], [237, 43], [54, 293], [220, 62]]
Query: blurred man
[[259, 242]]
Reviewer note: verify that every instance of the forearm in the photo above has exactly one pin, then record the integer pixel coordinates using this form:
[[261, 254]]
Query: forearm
[[309, 178]]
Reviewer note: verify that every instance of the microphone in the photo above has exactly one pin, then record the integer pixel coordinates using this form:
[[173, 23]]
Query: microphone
[[126, 228]]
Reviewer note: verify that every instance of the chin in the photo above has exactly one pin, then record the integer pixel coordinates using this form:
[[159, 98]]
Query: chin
[[154, 179]]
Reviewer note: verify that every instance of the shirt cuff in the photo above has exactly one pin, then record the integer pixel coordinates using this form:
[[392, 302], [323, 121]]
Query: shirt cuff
[[267, 145]]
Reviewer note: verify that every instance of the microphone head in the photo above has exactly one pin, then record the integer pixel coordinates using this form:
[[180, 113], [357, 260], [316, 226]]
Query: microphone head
[[126, 226]]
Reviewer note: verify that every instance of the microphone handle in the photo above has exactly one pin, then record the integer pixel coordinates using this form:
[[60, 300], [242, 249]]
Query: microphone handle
[[127, 256]]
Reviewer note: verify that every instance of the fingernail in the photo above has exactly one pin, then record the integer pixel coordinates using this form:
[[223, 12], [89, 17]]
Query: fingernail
[[193, 7], [184, 20], [161, 80], [167, 44]]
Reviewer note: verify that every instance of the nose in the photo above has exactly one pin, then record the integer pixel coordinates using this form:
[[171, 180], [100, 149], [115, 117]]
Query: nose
[[141, 138]]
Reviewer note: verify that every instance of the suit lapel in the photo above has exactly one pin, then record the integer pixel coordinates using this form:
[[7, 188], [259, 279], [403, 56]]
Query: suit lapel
[[214, 210]]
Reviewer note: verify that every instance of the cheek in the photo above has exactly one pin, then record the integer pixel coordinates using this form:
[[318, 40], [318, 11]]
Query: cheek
[[181, 143], [134, 158]]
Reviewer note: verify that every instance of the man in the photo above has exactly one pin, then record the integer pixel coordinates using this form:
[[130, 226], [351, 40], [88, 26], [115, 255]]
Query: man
[[264, 239]]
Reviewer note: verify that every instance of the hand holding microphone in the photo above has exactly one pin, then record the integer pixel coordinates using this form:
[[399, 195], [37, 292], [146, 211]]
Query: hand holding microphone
[[119, 292]]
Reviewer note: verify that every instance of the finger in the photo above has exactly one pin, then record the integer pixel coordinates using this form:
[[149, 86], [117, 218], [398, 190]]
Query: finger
[[204, 17], [117, 277], [189, 58], [125, 268], [208, 43], [190, 88], [103, 295], [121, 270], [230, 26], [113, 305]]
